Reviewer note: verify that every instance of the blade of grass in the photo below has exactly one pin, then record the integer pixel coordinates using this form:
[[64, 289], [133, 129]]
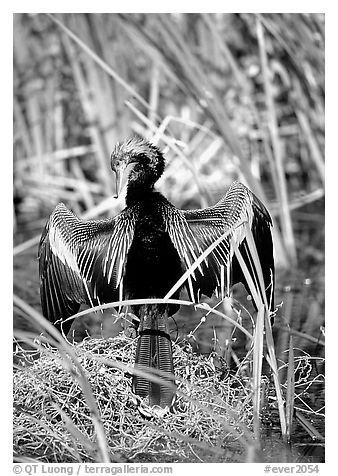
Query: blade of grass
[[286, 223], [271, 357], [154, 92], [310, 137], [74, 431], [139, 302], [59, 154], [257, 369], [257, 343], [308, 337], [307, 425], [22, 127], [290, 392]]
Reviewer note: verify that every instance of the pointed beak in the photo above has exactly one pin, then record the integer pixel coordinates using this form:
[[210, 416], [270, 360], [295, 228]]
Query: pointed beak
[[122, 171], [119, 173]]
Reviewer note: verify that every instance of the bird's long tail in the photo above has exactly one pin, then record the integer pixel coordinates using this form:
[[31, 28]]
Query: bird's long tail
[[154, 357]]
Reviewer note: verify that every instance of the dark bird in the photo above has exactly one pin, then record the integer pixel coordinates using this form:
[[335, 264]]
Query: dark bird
[[144, 251]]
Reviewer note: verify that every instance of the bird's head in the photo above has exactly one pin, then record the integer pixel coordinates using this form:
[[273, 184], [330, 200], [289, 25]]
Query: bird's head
[[137, 160]]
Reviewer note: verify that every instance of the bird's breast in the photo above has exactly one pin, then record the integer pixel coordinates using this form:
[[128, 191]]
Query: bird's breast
[[153, 265]]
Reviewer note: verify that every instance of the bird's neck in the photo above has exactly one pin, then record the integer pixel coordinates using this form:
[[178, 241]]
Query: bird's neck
[[140, 188]]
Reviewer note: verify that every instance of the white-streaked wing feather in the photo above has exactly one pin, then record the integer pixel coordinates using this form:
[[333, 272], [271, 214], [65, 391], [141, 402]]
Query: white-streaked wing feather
[[201, 228], [82, 261]]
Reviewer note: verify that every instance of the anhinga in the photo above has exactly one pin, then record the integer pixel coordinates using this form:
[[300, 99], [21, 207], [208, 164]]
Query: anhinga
[[143, 252]]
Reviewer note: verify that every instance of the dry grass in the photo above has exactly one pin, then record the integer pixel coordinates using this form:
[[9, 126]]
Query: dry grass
[[52, 421], [74, 402]]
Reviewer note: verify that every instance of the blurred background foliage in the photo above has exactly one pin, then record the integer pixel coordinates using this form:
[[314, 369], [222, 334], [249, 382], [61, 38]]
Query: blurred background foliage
[[226, 96]]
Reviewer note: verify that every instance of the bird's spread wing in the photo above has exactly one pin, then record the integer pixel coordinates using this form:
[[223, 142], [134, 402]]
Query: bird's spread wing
[[194, 231], [82, 261]]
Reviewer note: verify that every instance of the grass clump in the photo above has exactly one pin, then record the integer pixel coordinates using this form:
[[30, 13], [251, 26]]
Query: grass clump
[[52, 421]]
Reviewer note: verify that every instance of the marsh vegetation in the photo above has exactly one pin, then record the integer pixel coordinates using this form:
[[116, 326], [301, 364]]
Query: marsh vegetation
[[227, 97]]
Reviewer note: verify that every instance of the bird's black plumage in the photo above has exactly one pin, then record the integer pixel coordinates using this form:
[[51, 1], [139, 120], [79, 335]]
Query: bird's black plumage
[[143, 252]]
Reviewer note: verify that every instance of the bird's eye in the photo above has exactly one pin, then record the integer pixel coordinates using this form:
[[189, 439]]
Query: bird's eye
[[142, 158]]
